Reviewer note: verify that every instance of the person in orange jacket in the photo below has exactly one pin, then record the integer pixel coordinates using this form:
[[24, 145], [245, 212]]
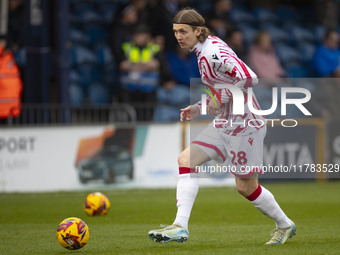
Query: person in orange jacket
[[10, 83]]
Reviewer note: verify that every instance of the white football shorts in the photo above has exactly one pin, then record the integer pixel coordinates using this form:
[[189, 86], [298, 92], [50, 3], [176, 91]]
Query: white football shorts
[[242, 154]]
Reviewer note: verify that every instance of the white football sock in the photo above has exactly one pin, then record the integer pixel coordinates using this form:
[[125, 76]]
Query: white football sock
[[267, 204], [187, 189]]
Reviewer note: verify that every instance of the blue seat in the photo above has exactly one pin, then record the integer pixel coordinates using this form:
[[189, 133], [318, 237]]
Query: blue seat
[[96, 33], [89, 74], [309, 84], [81, 55], [99, 94], [297, 71], [78, 37], [107, 10], [289, 24], [248, 32], [74, 76], [300, 34], [80, 6], [263, 93], [307, 51], [319, 33], [169, 103], [86, 14], [262, 14], [178, 96], [104, 55], [287, 54], [287, 13], [238, 15], [84, 11], [277, 34], [166, 113], [76, 94], [110, 74]]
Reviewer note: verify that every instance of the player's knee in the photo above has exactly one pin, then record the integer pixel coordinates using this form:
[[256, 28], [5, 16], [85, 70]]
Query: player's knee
[[183, 160], [246, 186], [242, 190]]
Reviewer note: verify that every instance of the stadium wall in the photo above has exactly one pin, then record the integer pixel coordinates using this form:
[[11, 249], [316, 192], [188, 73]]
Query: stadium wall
[[141, 156], [51, 158]]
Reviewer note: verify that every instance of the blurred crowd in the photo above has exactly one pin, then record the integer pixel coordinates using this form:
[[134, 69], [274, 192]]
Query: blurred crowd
[[125, 51]]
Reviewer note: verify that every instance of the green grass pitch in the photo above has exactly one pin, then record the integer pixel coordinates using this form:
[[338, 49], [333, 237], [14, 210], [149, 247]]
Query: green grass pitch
[[222, 221]]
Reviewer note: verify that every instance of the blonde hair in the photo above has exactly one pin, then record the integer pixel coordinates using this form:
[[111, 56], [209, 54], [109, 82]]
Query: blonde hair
[[258, 37], [192, 18]]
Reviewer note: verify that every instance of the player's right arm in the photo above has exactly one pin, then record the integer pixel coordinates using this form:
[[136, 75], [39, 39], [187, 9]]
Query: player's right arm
[[189, 112]]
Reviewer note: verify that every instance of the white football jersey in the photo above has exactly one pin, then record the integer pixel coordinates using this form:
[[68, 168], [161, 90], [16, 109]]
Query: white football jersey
[[218, 64]]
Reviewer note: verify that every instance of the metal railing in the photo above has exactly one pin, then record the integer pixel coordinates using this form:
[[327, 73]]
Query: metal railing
[[58, 114]]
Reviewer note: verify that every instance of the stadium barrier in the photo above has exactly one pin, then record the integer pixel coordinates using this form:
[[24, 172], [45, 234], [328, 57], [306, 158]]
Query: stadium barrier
[[59, 114], [91, 157], [40, 151]]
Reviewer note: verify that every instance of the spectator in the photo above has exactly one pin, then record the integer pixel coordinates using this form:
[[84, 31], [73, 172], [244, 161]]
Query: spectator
[[326, 64], [235, 41], [170, 97], [328, 13], [159, 40], [326, 58], [123, 26], [218, 18], [139, 65], [160, 18], [16, 26], [10, 83], [262, 58], [182, 65], [264, 62]]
